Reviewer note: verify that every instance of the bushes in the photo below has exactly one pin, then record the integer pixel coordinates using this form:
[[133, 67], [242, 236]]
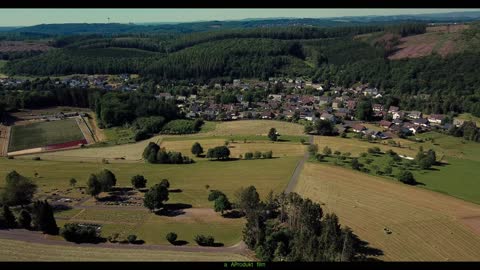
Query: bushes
[[182, 126], [219, 152], [258, 155], [171, 237], [203, 240], [138, 181], [214, 194], [406, 177], [24, 219], [153, 154], [79, 234], [132, 238]]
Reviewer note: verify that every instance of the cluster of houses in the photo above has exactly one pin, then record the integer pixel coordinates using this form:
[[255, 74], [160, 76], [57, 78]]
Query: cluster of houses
[[122, 82], [338, 107]]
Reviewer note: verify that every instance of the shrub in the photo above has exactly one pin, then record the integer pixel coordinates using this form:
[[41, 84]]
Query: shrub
[[302, 141], [171, 237], [132, 238], [268, 154], [363, 154], [406, 177], [138, 181], [327, 151], [313, 149], [248, 155], [73, 232], [337, 153], [214, 194], [319, 157], [36, 158], [113, 238], [257, 155], [203, 240]]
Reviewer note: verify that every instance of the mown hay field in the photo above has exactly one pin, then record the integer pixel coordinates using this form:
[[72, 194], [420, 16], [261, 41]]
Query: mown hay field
[[425, 225]]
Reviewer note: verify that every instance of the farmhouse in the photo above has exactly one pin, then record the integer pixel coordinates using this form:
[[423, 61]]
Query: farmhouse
[[358, 128], [377, 107], [385, 124], [414, 114], [421, 122], [393, 109], [436, 119], [329, 117]]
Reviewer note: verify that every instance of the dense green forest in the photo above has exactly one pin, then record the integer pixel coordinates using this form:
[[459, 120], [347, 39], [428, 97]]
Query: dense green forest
[[327, 55]]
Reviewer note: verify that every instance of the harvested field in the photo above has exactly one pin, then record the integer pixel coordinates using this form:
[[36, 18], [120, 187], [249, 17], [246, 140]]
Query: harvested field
[[41, 134], [256, 127], [425, 225]]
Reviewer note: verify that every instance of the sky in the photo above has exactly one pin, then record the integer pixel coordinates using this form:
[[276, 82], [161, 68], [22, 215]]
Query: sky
[[26, 17]]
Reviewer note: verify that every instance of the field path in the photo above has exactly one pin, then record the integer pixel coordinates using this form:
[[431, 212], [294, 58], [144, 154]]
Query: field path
[[296, 174], [40, 238]]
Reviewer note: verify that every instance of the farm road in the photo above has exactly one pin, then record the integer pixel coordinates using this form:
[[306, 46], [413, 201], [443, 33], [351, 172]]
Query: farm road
[[296, 174]]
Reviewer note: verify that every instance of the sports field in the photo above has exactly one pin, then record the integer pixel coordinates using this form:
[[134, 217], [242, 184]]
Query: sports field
[[425, 225], [44, 133]]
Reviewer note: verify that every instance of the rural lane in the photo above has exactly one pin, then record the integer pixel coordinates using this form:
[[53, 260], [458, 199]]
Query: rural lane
[[296, 174]]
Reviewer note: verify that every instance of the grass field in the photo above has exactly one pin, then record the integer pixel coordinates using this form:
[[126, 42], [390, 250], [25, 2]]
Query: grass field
[[426, 226], [456, 177], [21, 251], [228, 176], [43, 133], [215, 135]]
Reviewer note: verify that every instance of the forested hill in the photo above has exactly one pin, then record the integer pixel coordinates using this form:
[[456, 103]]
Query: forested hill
[[340, 55]]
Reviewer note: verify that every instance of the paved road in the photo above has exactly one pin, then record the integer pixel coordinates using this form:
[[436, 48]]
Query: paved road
[[294, 179]]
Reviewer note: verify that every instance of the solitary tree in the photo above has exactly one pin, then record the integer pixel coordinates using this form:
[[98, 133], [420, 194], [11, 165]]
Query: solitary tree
[[219, 152], [222, 204], [155, 197], [272, 134], [355, 164], [73, 182], [313, 149], [406, 177], [171, 237], [197, 149], [94, 187], [107, 179], [18, 190], [138, 181]]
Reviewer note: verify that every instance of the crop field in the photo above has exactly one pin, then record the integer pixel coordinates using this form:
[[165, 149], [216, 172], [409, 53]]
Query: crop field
[[13, 250], [44, 133], [425, 225], [256, 127]]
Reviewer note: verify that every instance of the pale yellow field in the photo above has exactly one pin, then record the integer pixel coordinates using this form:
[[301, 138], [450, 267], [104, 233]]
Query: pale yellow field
[[280, 149], [355, 146], [425, 225], [256, 127], [13, 250]]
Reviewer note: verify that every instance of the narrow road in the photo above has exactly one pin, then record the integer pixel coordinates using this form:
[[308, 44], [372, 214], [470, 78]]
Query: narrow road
[[294, 179]]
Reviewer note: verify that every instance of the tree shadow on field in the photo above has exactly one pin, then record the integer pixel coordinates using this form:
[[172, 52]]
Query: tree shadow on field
[[180, 243], [177, 190], [173, 209], [234, 214], [225, 160], [217, 245], [364, 249]]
